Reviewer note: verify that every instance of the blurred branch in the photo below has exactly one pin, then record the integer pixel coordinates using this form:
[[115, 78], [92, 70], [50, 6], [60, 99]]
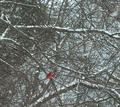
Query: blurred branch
[[21, 4], [41, 94], [13, 68]]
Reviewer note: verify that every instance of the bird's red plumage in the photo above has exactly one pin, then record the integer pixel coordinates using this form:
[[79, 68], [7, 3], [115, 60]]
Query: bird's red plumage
[[50, 75]]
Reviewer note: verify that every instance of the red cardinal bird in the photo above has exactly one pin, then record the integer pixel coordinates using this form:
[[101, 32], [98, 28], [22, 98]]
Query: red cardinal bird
[[50, 75]]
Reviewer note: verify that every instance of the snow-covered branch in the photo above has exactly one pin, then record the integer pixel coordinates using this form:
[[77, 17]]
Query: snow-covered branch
[[116, 93], [47, 97], [68, 87], [70, 30], [17, 30], [91, 85], [4, 33], [115, 78]]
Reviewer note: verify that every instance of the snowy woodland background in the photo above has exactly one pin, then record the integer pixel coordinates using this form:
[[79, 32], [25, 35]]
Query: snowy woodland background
[[78, 40]]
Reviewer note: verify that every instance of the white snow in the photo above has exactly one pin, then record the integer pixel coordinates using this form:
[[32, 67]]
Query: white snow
[[118, 94], [114, 14], [116, 36]]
